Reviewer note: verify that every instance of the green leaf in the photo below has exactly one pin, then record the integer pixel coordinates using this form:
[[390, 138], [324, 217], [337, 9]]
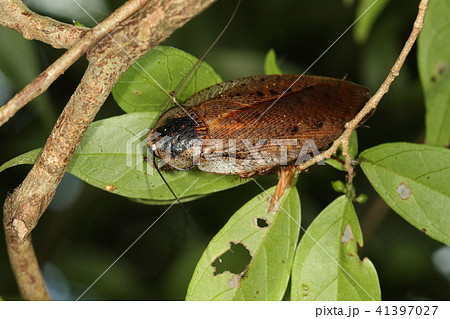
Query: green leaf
[[267, 239], [270, 63], [145, 86], [327, 265], [352, 150], [336, 164], [111, 156], [434, 65], [353, 144], [113, 151], [185, 199], [26, 158], [362, 28], [78, 23], [414, 180]]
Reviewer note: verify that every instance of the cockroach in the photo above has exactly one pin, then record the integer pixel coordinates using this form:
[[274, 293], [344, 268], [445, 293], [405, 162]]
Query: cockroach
[[254, 125]]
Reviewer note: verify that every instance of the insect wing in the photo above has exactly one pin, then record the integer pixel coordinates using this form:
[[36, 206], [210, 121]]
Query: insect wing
[[260, 112]]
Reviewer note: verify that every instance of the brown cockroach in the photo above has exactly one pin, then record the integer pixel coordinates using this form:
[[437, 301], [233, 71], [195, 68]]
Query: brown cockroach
[[255, 124]]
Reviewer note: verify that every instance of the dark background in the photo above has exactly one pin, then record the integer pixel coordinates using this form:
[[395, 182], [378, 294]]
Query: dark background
[[85, 229]]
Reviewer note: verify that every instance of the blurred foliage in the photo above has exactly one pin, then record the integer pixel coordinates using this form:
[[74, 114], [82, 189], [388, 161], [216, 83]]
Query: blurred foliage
[[434, 59], [86, 229]]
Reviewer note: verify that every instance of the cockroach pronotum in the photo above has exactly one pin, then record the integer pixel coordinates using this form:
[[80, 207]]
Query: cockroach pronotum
[[255, 124]]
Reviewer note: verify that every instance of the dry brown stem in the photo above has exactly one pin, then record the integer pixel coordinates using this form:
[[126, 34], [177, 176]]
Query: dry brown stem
[[26, 267], [15, 15], [373, 102], [140, 32], [285, 177], [285, 180]]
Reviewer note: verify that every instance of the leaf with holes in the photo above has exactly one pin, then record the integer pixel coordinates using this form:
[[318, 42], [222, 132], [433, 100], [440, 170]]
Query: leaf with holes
[[111, 156], [263, 244], [145, 86], [434, 67], [327, 265], [414, 180]]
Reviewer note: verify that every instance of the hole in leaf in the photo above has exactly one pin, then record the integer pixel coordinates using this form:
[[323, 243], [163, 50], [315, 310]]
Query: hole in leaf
[[347, 236], [235, 260], [261, 222]]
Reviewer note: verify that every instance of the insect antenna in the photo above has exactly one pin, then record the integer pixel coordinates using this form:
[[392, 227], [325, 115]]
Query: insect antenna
[[186, 211], [168, 186], [183, 82], [192, 70]]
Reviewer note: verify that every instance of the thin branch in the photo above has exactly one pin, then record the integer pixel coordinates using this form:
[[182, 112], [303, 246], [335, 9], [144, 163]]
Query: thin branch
[[287, 177], [348, 160], [23, 208], [15, 14], [26, 267], [373, 101], [41, 83]]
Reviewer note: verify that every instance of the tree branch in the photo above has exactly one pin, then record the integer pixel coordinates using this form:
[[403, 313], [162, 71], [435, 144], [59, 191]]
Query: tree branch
[[15, 15], [23, 208], [42, 81], [285, 176], [25, 267], [373, 101]]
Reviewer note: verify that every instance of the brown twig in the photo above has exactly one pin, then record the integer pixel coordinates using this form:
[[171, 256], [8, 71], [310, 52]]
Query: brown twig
[[42, 81], [285, 180], [22, 210], [26, 268], [285, 176], [374, 100], [15, 15]]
